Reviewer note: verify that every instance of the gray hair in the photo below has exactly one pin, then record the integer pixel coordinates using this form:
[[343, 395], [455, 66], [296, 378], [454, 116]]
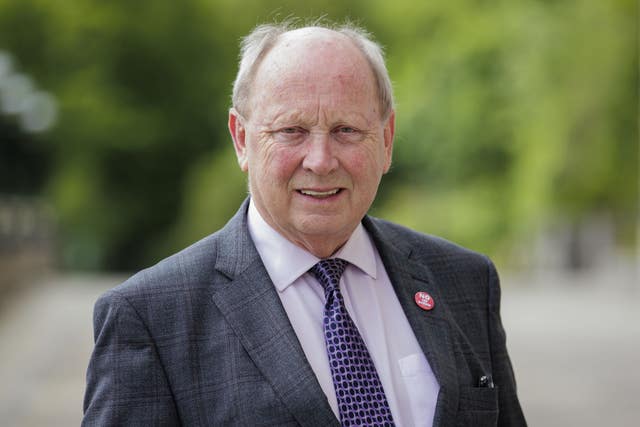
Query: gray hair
[[255, 46]]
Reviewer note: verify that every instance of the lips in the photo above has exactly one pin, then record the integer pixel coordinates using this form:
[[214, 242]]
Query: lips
[[320, 194]]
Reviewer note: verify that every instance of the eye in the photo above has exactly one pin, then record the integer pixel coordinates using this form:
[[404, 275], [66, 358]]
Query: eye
[[289, 134], [348, 134], [346, 129], [289, 130]]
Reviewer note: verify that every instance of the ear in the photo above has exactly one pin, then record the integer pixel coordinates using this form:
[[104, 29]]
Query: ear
[[238, 134], [389, 131]]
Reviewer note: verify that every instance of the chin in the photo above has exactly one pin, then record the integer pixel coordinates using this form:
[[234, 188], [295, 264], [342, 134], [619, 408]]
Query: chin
[[325, 227]]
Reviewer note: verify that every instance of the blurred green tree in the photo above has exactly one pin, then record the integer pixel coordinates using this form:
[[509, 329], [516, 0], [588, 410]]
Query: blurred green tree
[[510, 115]]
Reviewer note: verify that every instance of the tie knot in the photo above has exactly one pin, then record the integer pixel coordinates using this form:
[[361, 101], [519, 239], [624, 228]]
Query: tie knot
[[328, 272]]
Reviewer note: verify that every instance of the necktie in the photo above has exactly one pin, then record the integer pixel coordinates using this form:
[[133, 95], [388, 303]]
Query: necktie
[[361, 399]]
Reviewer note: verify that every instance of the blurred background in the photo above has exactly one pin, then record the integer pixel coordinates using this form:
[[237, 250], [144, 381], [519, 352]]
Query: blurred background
[[517, 136]]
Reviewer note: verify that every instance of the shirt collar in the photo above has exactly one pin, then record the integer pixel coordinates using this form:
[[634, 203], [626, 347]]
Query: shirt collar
[[359, 251], [285, 262]]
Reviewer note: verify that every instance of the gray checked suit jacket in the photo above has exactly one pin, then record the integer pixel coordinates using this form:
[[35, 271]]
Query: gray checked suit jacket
[[201, 338]]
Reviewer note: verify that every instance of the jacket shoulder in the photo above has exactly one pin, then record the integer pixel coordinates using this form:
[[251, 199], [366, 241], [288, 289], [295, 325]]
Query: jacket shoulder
[[188, 269], [419, 244]]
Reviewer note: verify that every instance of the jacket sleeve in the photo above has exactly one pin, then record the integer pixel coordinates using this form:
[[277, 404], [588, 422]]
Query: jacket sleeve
[[510, 413], [126, 382]]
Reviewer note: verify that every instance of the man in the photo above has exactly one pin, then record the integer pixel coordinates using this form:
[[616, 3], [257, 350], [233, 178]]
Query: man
[[302, 310]]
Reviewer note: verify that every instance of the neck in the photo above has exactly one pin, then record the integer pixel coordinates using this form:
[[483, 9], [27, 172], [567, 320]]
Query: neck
[[321, 247]]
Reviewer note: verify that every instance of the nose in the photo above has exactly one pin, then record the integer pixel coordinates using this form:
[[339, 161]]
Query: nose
[[320, 157]]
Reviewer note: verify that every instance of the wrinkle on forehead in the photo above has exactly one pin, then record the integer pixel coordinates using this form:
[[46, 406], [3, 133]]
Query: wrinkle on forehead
[[314, 115], [314, 61], [308, 104]]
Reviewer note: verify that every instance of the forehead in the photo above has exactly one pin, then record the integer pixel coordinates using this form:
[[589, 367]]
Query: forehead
[[316, 59]]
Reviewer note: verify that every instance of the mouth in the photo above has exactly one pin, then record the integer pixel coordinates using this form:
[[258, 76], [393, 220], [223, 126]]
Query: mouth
[[320, 194]]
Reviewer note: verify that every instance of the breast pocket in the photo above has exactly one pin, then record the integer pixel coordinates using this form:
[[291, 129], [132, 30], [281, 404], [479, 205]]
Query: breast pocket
[[478, 407], [420, 384]]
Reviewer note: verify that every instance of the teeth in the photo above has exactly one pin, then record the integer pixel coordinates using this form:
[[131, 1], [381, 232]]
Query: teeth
[[319, 193]]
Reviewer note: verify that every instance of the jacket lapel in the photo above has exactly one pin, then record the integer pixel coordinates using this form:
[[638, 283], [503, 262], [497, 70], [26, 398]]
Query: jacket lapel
[[251, 306], [432, 328]]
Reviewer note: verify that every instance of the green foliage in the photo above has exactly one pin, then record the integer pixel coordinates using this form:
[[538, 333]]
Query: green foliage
[[513, 116], [510, 114]]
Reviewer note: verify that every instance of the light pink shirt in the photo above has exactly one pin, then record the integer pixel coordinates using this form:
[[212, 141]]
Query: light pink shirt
[[409, 383]]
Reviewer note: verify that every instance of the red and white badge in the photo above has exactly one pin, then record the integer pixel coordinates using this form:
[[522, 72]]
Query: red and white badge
[[424, 301]]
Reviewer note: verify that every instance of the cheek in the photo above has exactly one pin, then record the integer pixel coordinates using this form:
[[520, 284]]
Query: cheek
[[275, 162], [358, 165], [285, 161], [366, 165]]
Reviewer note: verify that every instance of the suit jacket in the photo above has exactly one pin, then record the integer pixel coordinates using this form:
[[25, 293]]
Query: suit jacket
[[201, 338]]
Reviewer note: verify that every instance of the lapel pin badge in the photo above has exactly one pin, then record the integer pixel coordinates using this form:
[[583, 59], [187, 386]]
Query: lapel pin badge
[[424, 301]]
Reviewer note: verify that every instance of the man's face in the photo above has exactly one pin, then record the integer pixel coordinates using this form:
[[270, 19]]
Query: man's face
[[313, 141]]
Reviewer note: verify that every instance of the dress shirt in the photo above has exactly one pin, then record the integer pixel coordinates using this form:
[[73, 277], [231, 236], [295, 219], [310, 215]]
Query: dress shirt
[[408, 381]]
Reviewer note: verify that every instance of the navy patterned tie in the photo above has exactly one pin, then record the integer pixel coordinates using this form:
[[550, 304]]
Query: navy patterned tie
[[361, 399]]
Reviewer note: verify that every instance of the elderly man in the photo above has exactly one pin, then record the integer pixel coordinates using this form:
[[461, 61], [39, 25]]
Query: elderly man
[[303, 310]]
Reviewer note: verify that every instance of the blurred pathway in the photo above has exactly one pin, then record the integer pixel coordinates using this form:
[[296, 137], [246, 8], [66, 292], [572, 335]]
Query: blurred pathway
[[575, 349], [45, 343]]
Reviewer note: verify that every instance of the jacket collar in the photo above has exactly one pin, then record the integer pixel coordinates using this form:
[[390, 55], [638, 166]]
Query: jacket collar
[[410, 274], [251, 306]]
